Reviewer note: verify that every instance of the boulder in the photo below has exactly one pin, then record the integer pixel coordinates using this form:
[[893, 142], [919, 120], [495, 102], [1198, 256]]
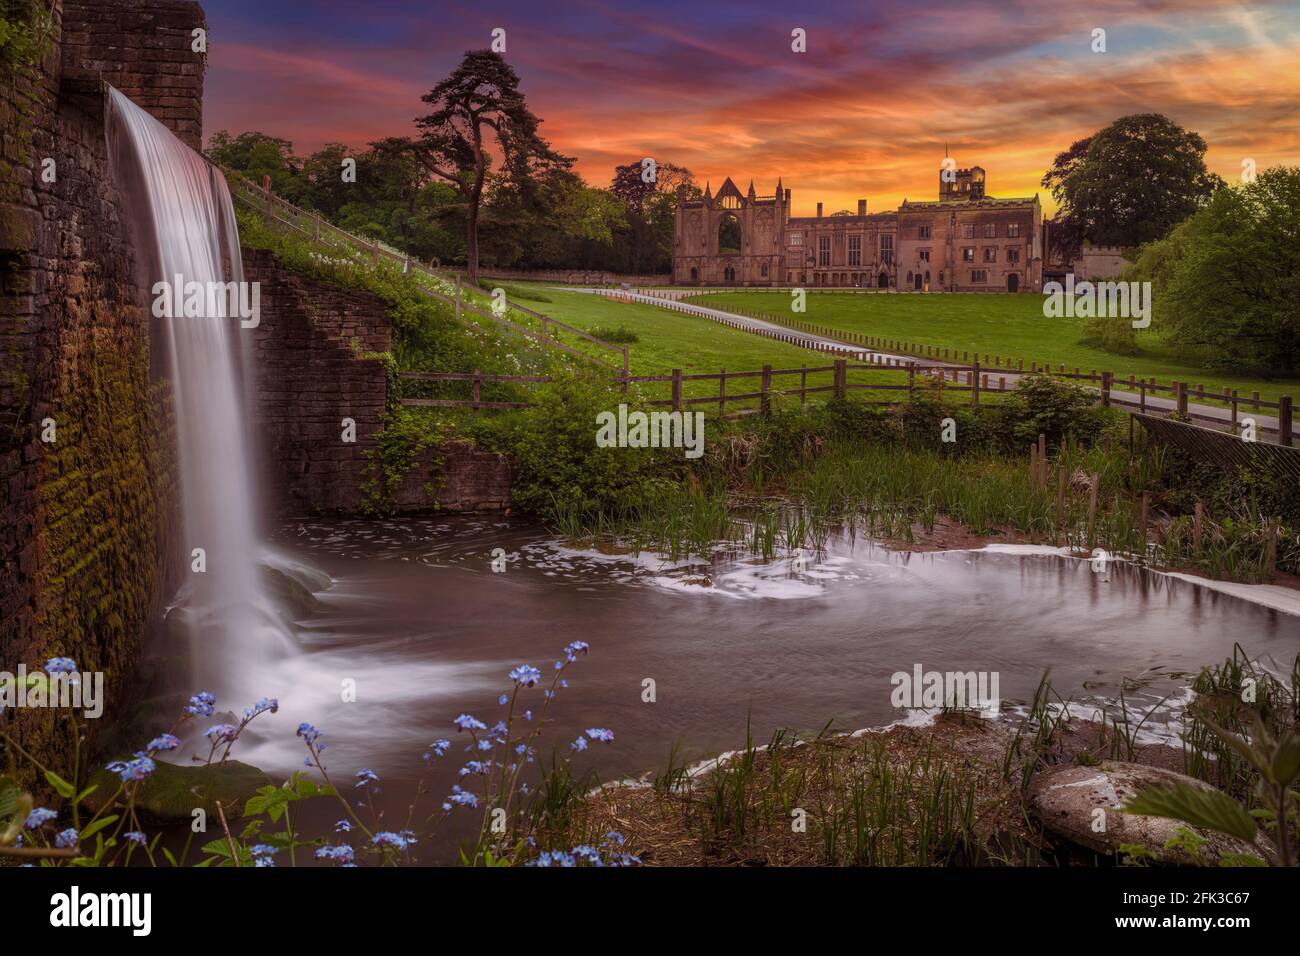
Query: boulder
[[172, 792], [1064, 800]]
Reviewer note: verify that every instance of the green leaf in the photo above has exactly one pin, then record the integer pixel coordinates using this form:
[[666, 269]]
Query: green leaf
[[1199, 806], [1286, 761], [98, 825], [9, 793], [85, 793], [61, 786]]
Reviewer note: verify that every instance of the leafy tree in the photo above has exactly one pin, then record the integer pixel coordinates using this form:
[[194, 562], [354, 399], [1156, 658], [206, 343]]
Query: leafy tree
[[1131, 182], [1225, 280], [256, 155], [480, 106]]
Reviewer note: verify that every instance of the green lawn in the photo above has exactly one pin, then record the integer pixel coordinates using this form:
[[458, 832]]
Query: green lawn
[[1011, 326], [669, 340]]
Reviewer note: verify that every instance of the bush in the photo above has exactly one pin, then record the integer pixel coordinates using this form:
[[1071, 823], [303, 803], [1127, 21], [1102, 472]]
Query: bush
[[1043, 405], [622, 334], [559, 469]]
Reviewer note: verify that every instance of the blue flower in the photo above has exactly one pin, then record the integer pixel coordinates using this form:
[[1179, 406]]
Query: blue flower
[[201, 704], [39, 817], [308, 733], [601, 734], [163, 742], [261, 707], [136, 769], [572, 651], [67, 839], [386, 839], [60, 665], [135, 836], [503, 700], [262, 849], [579, 745], [439, 747], [462, 798], [343, 854], [221, 733], [554, 858], [365, 777], [466, 722], [343, 826], [525, 675]]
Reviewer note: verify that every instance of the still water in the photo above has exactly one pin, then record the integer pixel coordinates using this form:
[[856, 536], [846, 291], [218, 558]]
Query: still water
[[416, 620]]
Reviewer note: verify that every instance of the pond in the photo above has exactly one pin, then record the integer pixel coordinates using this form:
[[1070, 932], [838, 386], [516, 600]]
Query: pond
[[419, 624]]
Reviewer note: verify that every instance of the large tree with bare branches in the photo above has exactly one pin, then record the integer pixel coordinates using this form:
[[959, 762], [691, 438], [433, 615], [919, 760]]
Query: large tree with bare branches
[[479, 111]]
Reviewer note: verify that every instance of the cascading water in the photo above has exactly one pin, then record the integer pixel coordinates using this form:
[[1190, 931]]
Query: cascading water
[[186, 231]]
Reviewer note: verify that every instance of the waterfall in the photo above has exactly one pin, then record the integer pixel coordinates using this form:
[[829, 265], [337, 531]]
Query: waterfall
[[183, 217]]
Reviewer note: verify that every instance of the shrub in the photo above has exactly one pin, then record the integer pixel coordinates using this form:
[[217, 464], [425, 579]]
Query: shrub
[[558, 467], [1043, 405]]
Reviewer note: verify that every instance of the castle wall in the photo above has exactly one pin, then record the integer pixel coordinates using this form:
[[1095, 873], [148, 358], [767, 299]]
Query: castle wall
[[88, 495]]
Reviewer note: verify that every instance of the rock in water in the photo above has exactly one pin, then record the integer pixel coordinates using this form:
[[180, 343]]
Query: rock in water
[[171, 793], [1065, 800]]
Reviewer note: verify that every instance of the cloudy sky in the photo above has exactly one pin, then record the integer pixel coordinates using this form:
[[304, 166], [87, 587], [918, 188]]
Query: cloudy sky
[[865, 112]]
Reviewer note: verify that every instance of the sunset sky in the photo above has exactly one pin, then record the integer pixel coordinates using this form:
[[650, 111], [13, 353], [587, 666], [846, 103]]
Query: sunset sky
[[866, 112]]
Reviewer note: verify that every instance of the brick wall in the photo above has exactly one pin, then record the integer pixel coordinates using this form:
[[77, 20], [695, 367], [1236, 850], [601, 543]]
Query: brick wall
[[86, 519], [145, 49], [311, 371], [315, 364]]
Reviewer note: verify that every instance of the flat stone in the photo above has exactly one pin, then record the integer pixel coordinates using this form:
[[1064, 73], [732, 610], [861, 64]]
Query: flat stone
[[1063, 799]]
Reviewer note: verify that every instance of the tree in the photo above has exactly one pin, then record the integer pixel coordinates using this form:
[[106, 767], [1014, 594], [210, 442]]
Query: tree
[[256, 155], [476, 108], [1131, 182], [646, 243], [1225, 280]]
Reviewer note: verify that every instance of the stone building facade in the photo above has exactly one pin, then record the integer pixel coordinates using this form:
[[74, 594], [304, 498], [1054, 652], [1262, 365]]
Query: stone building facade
[[965, 241]]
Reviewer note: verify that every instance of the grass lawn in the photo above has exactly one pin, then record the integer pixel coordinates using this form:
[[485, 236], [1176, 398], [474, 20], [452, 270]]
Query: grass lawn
[[669, 340], [1012, 326]]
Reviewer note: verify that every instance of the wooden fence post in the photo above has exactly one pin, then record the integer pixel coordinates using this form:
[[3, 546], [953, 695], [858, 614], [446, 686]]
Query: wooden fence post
[[1106, 379], [626, 370], [975, 382], [1284, 424], [765, 399], [476, 392], [1180, 393], [841, 378], [803, 384], [677, 390], [722, 392]]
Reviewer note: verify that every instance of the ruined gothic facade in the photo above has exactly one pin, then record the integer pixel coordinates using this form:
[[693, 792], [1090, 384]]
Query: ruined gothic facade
[[965, 241]]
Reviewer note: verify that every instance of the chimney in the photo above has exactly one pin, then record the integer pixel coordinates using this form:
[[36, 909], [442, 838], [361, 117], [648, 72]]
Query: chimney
[[819, 210], [862, 207]]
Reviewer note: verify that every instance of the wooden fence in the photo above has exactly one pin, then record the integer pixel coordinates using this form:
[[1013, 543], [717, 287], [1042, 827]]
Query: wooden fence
[[975, 379], [862, 346]]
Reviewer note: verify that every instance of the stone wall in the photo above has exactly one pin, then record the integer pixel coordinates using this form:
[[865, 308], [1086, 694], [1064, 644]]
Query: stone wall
[[455, 478], [315, 363], [317, 360], [146, 50], [87, 471]]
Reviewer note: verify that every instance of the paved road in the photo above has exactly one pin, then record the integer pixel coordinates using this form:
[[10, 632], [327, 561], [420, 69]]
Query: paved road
[[1211, 414]]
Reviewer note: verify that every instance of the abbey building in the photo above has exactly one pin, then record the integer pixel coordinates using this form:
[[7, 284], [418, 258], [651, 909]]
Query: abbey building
[[965, 241]]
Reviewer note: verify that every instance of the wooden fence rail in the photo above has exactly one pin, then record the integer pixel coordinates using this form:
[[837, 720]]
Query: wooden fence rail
[[974, 378]]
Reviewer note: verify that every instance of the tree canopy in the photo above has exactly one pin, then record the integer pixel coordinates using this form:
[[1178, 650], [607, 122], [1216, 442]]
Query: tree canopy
[[1224, 281], [1129, 183]]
